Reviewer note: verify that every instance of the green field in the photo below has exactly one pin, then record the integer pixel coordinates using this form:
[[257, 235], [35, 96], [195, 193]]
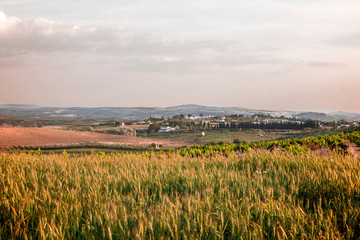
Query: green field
[[259, 195], [219, 135], [76, 149]]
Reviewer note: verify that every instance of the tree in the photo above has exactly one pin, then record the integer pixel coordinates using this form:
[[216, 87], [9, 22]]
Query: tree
[[153, 128], [189, 115]]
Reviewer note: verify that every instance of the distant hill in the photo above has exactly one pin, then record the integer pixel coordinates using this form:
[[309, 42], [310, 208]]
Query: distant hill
[[36, 111], [328, 117], [341, 113], [114, 112], [21, 106], [315, 116]]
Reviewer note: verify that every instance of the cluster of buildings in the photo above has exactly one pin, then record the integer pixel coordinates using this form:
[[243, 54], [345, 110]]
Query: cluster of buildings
[[168, 129]]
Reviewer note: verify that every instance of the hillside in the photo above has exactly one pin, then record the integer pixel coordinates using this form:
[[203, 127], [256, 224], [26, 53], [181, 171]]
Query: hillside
[[114, 112], [47, 112]]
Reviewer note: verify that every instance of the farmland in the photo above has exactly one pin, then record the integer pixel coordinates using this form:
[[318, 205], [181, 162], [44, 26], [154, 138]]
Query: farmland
[[196, 137], [256, 194], [38, 132], [18, 136]]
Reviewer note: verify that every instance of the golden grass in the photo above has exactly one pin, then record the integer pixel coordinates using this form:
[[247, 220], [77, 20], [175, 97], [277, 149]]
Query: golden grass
[[261, 195]]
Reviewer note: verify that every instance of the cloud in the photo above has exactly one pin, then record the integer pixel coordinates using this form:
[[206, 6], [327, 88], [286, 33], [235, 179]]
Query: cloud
[[129, 48], [327, 64], [43, 35], [136, 50]]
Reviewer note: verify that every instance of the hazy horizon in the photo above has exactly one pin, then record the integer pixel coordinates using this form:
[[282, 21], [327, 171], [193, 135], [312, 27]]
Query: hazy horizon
[[202, 105], [261, 54]]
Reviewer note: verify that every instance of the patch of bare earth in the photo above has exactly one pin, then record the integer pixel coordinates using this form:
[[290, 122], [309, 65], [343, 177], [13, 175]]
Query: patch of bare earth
[[19, 136]]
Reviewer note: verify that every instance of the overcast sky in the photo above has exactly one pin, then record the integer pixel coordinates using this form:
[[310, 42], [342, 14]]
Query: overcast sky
[[261, 54]]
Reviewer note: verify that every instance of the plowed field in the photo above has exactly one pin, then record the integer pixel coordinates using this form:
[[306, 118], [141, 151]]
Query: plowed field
[[19, 136]]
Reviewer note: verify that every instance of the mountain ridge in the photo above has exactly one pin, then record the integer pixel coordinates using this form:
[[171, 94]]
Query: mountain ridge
[[39, 111]]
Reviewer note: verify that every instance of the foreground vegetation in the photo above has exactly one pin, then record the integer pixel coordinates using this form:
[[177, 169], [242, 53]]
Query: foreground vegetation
[[256, 195], [338, 143]]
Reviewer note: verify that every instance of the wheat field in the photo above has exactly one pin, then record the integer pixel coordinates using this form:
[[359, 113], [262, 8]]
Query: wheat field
[[257, 195]]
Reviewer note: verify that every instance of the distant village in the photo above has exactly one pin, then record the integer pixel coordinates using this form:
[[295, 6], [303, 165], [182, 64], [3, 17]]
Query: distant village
[[183, 122]]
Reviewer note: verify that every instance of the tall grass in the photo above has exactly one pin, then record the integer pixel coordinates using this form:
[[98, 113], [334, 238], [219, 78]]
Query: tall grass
[[261, 195]]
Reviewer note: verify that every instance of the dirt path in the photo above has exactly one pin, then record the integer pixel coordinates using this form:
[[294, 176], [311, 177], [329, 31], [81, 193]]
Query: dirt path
[[19, 136]]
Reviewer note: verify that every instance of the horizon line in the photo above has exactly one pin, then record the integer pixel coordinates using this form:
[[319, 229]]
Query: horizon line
[[188, 104]]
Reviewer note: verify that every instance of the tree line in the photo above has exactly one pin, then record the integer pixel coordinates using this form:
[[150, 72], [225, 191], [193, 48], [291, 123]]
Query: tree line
[[272, 125]]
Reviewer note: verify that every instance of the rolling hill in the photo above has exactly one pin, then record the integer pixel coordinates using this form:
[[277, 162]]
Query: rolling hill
[[36, 111]]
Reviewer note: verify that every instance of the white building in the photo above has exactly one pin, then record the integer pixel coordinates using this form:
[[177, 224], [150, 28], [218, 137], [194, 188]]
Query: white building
[[167, 129]]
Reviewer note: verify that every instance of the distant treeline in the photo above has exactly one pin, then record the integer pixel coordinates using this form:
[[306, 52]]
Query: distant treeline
[[21, 122], [272, 125], [244, 125], [30, 122]]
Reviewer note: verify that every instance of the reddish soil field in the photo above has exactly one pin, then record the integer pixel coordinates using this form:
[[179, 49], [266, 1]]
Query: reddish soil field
[[19, 136]]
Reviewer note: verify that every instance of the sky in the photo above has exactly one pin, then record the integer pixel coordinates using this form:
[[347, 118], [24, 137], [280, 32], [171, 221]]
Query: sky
[[299, 55]]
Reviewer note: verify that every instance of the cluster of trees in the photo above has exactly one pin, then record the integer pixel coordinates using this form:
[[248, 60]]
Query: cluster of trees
[[188, 124], [273, 125], [153, 128], [127, 131], [243, 125], [198, 125], [30, 122]]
